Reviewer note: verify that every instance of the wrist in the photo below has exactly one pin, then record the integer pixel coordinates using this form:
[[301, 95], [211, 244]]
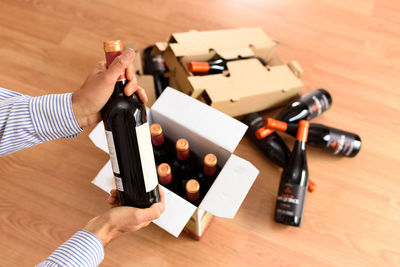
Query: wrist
[[77, 111], [100, 226]]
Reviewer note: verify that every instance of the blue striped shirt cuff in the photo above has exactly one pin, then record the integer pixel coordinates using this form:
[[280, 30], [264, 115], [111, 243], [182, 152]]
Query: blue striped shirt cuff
[[53, 117], [82, 249]]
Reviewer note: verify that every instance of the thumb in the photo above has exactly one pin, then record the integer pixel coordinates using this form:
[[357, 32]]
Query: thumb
[[152, 213], [119, 64]]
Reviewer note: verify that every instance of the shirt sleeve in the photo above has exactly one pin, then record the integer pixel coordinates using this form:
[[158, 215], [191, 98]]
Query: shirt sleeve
[[82, 249], [26, 121]]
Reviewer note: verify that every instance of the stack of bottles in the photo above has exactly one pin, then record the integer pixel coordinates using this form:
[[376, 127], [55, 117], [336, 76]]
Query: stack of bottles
[[179, 169], [293, 120]]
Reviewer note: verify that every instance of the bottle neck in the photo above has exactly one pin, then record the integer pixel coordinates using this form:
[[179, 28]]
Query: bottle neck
[[166, 180], [158, 140], [210, 171], [110, 56], [183, 155], [193, 196]]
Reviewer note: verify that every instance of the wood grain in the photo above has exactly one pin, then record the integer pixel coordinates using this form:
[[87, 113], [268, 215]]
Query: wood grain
[[350, 48]]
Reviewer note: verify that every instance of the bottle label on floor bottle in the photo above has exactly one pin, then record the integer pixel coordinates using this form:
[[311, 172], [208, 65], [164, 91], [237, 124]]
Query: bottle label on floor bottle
[[111, 152], [290, 200], [340, 143], [317, 104], [147, 157]]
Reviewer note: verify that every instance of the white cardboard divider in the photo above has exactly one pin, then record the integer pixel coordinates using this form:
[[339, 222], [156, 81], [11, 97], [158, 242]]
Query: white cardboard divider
[[177, 213], [230, 188]]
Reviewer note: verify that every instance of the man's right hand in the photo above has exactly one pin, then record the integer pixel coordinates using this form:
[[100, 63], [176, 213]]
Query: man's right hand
[[120, 220]]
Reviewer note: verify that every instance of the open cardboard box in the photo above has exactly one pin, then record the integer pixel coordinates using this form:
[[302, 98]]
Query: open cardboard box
[[247, 86], [208, 131]]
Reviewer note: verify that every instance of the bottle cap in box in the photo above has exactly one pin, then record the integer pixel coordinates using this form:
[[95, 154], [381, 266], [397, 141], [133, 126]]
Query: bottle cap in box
[[156, 129], [192, 186], [210, 160], [182, 144]]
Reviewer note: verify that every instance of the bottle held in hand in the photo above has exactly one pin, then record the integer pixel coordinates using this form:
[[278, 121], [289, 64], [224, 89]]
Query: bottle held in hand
[[163, 147], [332, 140], [294, 182], [129, 142]]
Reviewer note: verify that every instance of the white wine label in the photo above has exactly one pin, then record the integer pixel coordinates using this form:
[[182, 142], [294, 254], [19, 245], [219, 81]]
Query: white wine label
[[147, 157], [111, 152], [118, 184]]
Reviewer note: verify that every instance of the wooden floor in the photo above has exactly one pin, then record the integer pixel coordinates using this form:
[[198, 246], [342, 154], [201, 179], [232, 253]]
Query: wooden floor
[[351, 48]]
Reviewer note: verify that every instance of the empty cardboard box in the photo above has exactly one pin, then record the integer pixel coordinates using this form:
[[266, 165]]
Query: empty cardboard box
[[247, 86]]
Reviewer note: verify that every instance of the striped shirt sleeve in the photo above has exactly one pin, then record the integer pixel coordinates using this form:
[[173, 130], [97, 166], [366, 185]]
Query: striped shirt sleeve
[[26, 121], [82, 249]]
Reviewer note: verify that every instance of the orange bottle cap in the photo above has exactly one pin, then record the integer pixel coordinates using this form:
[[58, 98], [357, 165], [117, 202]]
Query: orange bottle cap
[[182, 144], [275, 125], [302, 131], [210, 160], [198, 67], [163, 169], [263, 132], [192, 186], [155, 129], [113, 46]]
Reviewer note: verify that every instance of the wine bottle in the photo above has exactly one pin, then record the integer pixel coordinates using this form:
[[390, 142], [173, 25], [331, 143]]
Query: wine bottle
[[215, 66], [332, 140], [272, 146], [185, 164], [129, 145], [155, 65], [294, 182], [165, 177], [307, 107], [193, 191], [209, 173], [163, 148]]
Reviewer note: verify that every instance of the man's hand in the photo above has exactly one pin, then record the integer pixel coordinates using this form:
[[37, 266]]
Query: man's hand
[[99, 85], [120, 220]]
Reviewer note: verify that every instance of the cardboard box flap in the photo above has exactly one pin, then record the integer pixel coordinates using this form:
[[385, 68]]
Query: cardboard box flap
[[261, 80], [196, 43], [105, 178], [98, 137], [177, 210], [177, 213], [222, 130], [230, 188], [235, 53]]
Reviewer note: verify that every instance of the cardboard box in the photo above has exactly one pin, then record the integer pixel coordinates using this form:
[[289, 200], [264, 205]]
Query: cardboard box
[[208, 131], [247, 86]]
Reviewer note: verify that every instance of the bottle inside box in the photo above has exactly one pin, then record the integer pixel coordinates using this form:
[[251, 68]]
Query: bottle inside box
[[182, 170], [216, 63]]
